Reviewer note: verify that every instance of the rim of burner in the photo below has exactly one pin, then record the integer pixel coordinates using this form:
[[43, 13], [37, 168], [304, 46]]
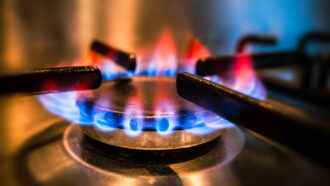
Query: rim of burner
[[150, 140]]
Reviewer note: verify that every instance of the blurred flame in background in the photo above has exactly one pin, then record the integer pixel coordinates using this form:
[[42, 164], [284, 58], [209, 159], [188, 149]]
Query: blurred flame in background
[[158, 59]]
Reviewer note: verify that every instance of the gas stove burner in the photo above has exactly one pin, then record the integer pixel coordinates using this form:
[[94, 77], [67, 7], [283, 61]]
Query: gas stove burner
[[118, 161], [146, 113]]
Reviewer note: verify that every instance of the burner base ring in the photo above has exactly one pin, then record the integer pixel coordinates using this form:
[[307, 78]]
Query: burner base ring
[[150, 140]]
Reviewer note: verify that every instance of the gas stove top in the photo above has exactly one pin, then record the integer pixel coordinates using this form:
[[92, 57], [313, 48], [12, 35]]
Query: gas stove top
[[148, 128]]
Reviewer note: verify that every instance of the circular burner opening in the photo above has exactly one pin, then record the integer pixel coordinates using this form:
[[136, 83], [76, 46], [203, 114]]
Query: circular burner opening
[[146, 113]]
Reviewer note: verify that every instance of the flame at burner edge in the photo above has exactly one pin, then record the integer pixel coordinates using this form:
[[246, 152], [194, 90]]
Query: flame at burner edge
[[162, 61]]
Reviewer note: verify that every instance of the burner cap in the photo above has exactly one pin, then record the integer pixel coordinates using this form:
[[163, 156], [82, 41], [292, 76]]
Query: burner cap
[[143, 93]]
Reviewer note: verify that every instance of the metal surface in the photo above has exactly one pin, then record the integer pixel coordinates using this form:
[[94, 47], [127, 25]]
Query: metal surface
[[300, 131], [51, 80], [154, 98], [124, 59], [254, 39]]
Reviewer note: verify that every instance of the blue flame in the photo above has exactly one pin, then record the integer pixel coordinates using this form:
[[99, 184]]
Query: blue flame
[[104, 123], [64, 105], [165, 125], [110, 70], [202, 123], [133, 126], [79, 112], [157, 66]]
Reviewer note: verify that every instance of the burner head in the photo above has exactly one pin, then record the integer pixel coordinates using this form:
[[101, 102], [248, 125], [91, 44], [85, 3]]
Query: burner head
[[146, 113]]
